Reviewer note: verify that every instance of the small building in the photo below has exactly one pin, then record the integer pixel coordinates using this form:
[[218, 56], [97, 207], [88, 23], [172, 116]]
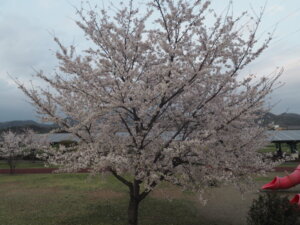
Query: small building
[[290, 137]]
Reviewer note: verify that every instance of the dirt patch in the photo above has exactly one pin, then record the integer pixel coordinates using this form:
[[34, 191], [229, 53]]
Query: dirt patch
[[104, 194], [10, 184], [13, 190], [226, 205], [45, 190], [169, 194]]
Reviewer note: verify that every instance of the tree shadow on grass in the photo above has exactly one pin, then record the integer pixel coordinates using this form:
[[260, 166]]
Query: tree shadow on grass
[[152, 212]]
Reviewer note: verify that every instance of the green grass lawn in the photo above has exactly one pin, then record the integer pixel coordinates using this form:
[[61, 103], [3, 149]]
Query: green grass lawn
[[271, 148], [73, 199], [290, 164], [79, 199]]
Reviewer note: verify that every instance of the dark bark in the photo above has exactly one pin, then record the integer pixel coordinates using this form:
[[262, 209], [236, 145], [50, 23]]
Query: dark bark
[[133, 211], [279, 152], [135, 197], [134, 201], [12, 166]]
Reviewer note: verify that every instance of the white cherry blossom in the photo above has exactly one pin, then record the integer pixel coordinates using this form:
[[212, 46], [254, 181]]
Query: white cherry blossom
[[163, 102]]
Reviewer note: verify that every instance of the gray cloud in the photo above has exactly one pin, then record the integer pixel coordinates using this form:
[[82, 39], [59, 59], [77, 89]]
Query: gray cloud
[[287, 97], [26, 43]]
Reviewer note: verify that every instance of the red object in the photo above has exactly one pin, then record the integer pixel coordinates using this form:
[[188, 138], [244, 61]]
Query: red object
[[296, 200], [284, 182]]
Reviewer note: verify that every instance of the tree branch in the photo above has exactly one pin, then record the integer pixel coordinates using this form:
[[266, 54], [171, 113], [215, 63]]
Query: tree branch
[[120, 178]]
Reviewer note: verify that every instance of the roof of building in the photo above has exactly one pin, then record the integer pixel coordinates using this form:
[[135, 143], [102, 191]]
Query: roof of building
[[284, 135]]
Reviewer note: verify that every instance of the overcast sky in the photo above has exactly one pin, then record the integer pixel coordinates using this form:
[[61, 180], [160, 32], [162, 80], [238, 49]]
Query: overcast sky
[[26, 44]]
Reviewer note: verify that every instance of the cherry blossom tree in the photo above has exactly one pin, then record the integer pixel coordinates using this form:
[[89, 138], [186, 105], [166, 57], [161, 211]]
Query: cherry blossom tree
[[13, 145], [159, 96]]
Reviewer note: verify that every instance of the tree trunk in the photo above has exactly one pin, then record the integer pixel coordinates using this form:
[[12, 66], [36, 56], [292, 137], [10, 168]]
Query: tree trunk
[[135, 197], [133, 211], [134, 203], [12, 166]]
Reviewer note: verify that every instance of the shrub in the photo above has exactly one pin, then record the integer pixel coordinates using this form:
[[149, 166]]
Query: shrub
[[272, 209]]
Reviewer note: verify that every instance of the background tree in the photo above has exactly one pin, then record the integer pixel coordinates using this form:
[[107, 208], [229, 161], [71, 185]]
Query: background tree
[[157, 96], [14, 146]]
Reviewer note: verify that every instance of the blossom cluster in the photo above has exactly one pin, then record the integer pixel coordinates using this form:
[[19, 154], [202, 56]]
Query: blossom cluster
[[163, 102]]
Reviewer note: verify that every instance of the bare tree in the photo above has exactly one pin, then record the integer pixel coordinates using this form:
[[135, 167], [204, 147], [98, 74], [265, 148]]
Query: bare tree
[[161, 101]]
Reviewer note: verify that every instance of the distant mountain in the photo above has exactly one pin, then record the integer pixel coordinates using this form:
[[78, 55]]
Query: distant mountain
[[284, 120], [20, 125]]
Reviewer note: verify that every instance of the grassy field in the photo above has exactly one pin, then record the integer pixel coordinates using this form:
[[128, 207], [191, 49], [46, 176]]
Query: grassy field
[[76, 199], [271, 148], [290, 164]]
